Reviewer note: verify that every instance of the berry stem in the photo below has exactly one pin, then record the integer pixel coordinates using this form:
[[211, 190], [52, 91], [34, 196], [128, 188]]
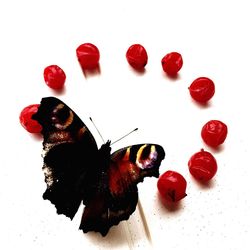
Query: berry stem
[[144, 222]]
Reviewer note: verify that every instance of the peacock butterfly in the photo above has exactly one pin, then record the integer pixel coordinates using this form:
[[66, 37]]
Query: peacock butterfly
[[77, 171]]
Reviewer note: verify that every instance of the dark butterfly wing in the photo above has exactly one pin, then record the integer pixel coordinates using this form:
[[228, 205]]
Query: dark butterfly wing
[[67, 141], [117, 201]]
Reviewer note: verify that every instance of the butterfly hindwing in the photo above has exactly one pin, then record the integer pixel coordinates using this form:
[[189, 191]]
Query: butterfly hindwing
[[67, 142]]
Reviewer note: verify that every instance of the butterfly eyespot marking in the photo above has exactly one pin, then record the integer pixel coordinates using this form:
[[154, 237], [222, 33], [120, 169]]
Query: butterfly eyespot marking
[[62, 117], [146, 159]]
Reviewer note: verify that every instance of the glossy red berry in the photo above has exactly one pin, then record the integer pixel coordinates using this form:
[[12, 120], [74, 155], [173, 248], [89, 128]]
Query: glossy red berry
[[202, 166], [54, 77], [88, 56], [172, 186], [214, 133], [137, 56], [172, 63], [26, 120], [202, 89]]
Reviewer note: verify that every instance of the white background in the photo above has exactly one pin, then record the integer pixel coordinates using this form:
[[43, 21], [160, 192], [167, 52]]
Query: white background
[[213, 38]]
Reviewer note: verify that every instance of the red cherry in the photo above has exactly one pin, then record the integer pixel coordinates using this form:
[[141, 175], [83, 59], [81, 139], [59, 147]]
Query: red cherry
[[26, 120], [88, 56], [172, 186], [202, 166], [172, 63], [214, 133], [54, 77], [137, 56], [202, 89]]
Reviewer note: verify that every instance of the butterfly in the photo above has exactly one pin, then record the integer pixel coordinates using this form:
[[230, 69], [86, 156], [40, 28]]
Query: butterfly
[[76, 171]]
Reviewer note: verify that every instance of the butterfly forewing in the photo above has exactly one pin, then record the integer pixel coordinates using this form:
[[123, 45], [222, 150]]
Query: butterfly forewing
[[69, 155], [116, 201], [131, 164]]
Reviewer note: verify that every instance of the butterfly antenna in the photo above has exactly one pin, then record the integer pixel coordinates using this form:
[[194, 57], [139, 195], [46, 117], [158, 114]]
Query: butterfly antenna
[[97, 129], [124, 136]]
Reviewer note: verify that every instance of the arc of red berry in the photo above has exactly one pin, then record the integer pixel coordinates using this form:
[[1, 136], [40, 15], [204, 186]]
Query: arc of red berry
[[202, 165]]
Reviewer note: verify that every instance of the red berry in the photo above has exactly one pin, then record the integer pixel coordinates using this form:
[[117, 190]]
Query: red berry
[[26, 120], [88, 56], [172, 186], [202, 166], [54, 77], [172, 63], [202, 89], [137, 56], [214, 133]]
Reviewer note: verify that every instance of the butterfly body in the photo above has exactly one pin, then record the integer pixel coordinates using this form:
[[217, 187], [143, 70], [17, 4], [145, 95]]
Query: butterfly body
[[76, 171]]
